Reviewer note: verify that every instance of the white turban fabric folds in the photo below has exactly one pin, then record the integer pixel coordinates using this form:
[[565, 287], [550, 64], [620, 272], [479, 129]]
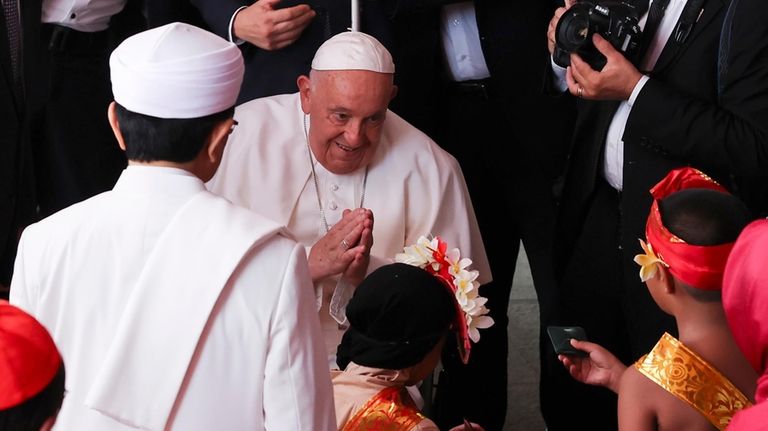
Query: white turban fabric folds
[[176, 71]]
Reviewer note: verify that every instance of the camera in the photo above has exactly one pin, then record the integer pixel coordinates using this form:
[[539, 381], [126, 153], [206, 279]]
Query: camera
[[616, 22]]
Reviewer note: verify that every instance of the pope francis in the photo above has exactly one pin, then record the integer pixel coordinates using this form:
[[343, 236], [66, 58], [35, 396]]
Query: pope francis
[[329, 159], [173, 308]]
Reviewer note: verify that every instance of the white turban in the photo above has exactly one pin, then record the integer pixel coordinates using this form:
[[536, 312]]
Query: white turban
[[176, 71], [353, 50]]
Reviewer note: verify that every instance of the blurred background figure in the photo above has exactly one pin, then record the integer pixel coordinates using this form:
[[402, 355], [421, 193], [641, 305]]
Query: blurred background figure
[[20, 77], [76, 155], [471, 75]]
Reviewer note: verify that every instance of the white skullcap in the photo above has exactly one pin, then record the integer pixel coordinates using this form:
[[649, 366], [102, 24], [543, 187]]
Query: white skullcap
[[353, 50], [176, 71]]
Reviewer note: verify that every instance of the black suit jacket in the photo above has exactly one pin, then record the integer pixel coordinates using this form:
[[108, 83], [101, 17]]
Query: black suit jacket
[[676, 120], [16, 187], [274, 72], [743, 94], [513, 39]]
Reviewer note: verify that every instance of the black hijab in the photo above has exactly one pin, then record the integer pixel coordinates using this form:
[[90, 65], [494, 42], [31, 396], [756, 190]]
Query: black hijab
[[397, 315]]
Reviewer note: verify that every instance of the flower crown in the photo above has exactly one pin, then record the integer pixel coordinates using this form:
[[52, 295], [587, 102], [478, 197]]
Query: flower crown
[[433, 256]]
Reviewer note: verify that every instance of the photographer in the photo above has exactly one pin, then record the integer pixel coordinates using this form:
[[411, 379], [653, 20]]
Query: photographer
[[636, 121]]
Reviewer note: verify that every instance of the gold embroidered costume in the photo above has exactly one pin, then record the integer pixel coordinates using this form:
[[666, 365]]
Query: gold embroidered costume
[[684, 374], [387, 411]]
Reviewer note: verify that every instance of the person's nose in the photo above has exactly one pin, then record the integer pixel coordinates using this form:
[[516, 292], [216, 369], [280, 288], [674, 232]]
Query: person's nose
[[354, 133]]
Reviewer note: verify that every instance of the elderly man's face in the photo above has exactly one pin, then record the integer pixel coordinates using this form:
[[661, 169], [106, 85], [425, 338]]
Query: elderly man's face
[[347, 111]]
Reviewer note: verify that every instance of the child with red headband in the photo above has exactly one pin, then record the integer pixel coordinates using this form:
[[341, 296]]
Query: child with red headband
[[31, 373], [699, 381]]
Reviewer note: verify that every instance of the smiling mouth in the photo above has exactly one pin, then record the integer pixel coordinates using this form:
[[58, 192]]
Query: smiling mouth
[[346, 148]]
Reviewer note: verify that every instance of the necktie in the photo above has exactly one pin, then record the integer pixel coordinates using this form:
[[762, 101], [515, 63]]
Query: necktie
[[11, 14], [655, 14]]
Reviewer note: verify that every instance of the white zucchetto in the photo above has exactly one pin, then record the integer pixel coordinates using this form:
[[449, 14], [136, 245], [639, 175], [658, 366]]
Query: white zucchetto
[[353, 50], [176, 71]]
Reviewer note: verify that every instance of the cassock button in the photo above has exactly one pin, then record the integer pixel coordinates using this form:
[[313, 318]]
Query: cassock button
[[334, 187], [333, 206]]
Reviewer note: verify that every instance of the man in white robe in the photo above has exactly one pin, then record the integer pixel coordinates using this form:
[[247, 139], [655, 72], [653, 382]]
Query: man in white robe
[[173, 308], [329, 159]]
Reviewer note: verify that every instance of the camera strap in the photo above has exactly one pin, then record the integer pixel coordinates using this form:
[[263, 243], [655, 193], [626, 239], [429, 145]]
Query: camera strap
[[689, 17]]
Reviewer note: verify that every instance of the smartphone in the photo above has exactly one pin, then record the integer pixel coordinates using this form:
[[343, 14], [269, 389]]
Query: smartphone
[[561, 339]]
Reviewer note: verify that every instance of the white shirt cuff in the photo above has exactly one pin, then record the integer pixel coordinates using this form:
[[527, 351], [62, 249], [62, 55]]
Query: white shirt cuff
[[558, 72], [232, 37], [639, 86]]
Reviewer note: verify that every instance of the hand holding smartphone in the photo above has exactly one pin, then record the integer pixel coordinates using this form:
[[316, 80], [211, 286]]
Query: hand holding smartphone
[[561, 339]]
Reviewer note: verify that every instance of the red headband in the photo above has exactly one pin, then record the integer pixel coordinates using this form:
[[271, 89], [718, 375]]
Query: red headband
[[698, 266], [29, 359]]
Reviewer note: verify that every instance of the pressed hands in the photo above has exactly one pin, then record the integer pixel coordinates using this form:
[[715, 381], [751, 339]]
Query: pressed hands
[[345, 249]]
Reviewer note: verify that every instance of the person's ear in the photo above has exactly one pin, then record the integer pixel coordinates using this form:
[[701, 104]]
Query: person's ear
[[394, 92], [304, 84], [115, 124], [666, 279], [217, 140]]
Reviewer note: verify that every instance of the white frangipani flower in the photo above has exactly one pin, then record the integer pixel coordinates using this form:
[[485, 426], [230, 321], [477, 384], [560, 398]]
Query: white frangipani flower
[[447, 264]]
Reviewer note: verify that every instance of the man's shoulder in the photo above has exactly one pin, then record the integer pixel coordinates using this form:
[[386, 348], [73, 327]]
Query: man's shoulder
[[261, 105], [231, 216], [403, 139], [263, 124], [70, 218]]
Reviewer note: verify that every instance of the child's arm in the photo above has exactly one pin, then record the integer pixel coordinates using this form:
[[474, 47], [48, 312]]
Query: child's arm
[[600, 367], [635, 410]]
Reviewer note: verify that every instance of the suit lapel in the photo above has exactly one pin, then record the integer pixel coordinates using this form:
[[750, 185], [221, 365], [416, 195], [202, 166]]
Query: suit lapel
[[672, 49]]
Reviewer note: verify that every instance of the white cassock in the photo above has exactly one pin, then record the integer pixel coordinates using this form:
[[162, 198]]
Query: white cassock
[[174, 309], [413, 187]]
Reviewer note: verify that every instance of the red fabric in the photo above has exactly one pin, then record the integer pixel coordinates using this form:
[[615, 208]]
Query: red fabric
[[751, 419], [745, 299], [29, 359], [460, 322], [698, 266], [684, 178]]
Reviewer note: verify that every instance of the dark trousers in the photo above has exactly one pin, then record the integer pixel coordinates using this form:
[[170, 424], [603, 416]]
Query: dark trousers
[[76, 153], [512, 201], [620, 316]]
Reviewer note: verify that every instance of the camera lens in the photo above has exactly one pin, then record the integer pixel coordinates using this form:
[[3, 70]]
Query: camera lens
[[573, 28]]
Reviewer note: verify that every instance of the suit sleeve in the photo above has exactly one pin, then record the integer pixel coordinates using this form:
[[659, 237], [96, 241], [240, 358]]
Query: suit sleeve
[[218, 13], [297, 385]]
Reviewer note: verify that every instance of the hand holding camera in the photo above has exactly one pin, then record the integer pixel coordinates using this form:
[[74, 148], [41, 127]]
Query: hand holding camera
[[616, 22], [615, 81]]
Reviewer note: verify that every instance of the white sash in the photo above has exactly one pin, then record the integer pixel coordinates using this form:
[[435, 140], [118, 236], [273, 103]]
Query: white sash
[[169, 308]]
